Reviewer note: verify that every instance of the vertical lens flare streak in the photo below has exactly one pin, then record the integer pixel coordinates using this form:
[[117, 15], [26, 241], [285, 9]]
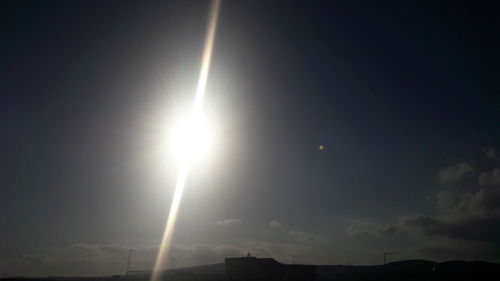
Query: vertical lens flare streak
[[185, 163], [207, 55]]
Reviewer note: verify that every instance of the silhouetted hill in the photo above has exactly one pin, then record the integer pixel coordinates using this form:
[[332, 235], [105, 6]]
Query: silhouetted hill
[[412, 270]]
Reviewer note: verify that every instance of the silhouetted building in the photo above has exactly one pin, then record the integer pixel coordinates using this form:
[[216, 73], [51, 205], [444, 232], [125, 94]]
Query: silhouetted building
[[268, 269]]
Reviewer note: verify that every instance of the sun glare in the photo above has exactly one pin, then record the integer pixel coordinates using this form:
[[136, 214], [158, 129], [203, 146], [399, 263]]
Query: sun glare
[[191, 139]]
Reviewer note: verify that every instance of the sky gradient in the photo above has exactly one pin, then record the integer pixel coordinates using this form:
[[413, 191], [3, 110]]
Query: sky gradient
[[402, 96]]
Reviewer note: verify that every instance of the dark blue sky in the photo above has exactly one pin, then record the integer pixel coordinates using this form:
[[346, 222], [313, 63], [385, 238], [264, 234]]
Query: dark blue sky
[[403, 96]]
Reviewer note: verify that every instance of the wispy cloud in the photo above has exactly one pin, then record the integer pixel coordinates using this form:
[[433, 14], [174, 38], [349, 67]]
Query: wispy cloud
[[229, 222], [366, 228], [274, 224], [305, 237], [455, 173], [490, 152]]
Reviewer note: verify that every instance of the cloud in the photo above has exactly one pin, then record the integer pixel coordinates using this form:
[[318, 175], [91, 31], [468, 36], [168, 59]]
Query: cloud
[[490, 152], [365, 228], [489, 179], [143, 255], [199, 254], [108, 259], [482, 204], [305, 237], [443, 249], [229, 222], [274, 224], [485, 230], [468, 215], [455, 173], [80, 259]]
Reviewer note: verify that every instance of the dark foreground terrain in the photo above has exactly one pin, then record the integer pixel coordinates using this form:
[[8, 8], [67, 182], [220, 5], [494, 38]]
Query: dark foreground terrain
[[412, 270], [398, 271]]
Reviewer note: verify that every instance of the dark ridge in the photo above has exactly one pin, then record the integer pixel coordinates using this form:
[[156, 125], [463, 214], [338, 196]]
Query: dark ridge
[[410, 270], [413, 270]]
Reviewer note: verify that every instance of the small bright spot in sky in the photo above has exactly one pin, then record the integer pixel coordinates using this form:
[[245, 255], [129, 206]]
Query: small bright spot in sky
[[321, 147]]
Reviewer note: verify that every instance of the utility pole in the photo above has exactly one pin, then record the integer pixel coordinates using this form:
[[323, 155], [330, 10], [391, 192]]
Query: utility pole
[[387, 254], [293, 258], [128, 261]]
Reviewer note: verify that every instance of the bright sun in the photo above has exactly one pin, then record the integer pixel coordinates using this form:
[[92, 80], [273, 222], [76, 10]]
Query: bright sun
[[191, 139]]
